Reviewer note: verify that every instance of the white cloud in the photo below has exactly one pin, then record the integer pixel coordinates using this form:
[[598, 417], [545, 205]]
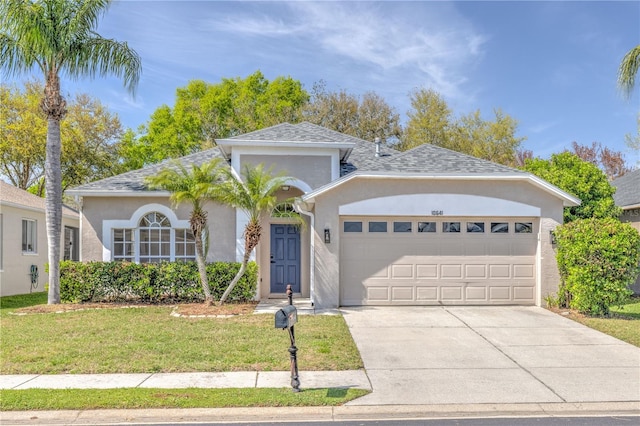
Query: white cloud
[[425, 38]]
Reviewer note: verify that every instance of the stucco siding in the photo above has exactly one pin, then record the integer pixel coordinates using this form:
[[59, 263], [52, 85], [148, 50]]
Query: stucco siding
[[632, 217], [315, 170], [97, 210], [16, 265]]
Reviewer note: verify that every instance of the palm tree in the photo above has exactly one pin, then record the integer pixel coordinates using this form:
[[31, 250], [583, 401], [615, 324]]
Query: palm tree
[[58, 37], [628, 71], [196, 188], [255, 195]]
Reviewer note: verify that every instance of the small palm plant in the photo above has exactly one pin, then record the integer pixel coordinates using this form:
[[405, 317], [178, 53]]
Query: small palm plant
[[196, 187], [254, 194]]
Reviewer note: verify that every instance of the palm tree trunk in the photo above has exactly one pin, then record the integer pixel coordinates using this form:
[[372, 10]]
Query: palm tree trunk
[[234, 281], [53, 206], [202, 268]]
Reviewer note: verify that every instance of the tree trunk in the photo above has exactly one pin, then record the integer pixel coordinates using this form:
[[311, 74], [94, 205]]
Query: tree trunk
[[202, 269], [251, 239], [54, 107], [235, 280], [53, 205]]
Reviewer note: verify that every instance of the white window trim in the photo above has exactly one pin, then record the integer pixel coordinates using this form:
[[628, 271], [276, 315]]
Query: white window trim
[[35, 235], [132, 223]]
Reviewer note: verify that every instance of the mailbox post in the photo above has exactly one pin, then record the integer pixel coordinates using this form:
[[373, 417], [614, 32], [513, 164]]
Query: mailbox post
[[286, 318]]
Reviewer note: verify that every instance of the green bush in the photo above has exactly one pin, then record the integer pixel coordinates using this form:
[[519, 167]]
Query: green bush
[[598, 261], [166, 282]]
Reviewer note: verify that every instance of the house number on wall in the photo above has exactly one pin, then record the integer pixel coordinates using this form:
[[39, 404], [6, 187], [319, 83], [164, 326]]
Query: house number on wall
[[436, 213]]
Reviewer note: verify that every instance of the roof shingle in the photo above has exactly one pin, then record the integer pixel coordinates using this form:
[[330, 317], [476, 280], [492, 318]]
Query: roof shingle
[[627, 189]]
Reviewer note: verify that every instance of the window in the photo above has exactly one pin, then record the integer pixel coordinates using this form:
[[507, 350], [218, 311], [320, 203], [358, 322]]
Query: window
[[123, 245], [185, 245], [524, 227], [499, 227], [426, 227], [475, 227], [153, 241], [450, 226], [401, 226], [352, 227], [29, 235], [155, 238], [377, 226]]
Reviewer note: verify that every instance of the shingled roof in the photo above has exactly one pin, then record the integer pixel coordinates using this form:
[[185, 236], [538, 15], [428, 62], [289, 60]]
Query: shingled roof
[[134, 180], [627, 189], [433, 159], [427, 159], [16, 197]]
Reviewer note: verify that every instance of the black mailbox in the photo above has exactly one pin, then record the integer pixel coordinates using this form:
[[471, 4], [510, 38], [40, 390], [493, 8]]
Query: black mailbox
[[286, 317]]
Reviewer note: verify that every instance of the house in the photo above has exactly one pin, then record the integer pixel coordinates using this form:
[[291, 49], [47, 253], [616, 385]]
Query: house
[[627, 197], [424, 227], [23, 240]]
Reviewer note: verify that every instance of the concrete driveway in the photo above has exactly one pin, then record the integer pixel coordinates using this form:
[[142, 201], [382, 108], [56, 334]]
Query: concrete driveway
[[477, 355]]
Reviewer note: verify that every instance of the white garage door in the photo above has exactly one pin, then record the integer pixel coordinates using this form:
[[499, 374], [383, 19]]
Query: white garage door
[[431, 261]]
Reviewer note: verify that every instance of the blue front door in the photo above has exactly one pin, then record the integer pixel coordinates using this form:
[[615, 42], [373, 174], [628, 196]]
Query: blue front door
[[285, 258]]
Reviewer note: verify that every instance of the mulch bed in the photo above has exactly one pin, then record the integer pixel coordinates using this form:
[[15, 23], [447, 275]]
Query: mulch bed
[[179, 310]]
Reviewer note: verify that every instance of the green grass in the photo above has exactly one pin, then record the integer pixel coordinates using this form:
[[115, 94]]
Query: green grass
[[623, 323], [91, 399], [145, 340]]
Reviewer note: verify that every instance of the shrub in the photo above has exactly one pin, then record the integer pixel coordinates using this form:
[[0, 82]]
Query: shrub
[[166, 282], [598, 261]]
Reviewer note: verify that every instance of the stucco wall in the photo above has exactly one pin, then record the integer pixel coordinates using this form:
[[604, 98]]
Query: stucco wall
[[632, 217], [327, 272], [15, 271], [315, 170], [95, 210]]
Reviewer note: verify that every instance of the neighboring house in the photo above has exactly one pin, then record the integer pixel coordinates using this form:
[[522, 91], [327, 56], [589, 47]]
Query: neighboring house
[[627, 197], [23, 240], [424, 227]]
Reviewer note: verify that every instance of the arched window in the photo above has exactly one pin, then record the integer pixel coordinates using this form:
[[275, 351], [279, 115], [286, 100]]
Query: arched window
[[153, 240]]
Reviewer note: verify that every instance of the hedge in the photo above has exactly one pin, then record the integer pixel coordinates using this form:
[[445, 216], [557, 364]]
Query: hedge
[[598, 262], [166, 282]]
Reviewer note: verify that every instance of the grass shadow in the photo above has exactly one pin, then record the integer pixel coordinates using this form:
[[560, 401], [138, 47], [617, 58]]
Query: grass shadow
[[10, 303]]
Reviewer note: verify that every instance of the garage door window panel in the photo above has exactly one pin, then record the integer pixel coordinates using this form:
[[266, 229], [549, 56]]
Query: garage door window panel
[[352, 227], [451, 227], [499, 227], [524, 228], [377, 226], [475, 227], [426, 227], [401, 226]]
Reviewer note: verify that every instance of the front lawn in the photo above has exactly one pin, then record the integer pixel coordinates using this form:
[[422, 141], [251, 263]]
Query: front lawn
[[149, 339], [128, 398], [623, 323]]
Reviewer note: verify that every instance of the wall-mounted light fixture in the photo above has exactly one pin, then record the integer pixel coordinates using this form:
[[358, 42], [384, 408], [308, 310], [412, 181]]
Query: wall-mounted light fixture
[[285, 187], [552, 237], [327, 235]]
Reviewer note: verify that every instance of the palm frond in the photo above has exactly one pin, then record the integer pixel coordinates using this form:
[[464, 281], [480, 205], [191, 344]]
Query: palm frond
[[628, 71]]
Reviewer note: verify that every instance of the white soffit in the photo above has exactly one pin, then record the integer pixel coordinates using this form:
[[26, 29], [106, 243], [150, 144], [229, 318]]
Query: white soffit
[[438, 205]]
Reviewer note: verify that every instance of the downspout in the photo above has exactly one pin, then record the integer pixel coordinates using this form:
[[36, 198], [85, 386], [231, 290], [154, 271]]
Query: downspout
[[312, 256]]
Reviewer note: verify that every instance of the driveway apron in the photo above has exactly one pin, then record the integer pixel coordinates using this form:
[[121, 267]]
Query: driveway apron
[[467, 355]]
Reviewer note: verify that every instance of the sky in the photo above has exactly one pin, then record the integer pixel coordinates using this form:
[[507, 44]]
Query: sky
[[550, 65]]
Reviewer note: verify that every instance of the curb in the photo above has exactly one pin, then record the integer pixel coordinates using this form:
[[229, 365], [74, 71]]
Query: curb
[[327, 414]]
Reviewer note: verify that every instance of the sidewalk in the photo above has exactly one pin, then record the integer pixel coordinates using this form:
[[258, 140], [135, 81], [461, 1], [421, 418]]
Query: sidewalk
[[241, 379]]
